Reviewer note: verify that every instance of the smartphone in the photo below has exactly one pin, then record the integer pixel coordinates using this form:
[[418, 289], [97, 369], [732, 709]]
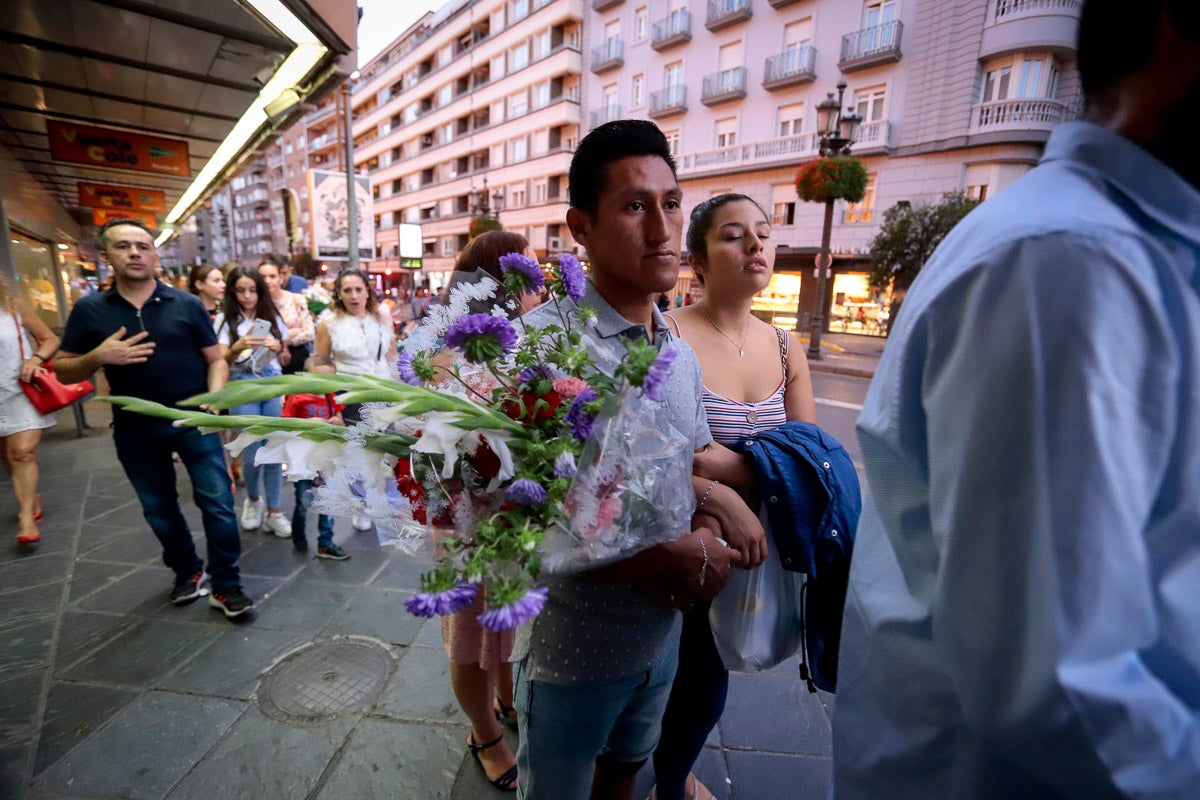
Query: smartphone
[[261, 327]]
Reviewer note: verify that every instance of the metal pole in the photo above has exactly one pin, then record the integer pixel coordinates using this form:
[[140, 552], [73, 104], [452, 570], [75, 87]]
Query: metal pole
[[824, 264], [351, 205]]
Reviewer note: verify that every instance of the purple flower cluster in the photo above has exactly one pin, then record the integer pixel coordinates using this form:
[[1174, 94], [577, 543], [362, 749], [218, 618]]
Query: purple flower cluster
[[658, 373], [481, 337], [579, 420], [529, 375], [407, 374], [574, 282], [564, 466], [531, 272], [525, 492], [426, 604], [513, 615]]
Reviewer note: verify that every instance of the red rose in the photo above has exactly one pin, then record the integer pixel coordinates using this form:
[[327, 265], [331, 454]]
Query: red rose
[[486, 460], [524, 411]]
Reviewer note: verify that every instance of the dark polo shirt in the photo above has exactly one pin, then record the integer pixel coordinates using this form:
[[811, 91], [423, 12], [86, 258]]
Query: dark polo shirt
[[179, 327]]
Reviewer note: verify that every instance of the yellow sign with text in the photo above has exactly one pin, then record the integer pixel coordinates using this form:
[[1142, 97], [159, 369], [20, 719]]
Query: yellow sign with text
[[103, 195], [107, 147]]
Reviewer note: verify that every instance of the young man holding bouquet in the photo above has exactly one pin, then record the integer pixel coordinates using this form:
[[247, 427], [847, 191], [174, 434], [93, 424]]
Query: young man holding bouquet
[[596, 666]]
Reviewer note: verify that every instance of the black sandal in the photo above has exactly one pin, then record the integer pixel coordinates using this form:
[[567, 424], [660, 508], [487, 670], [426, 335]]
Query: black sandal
[[506, 782], [505, 714]]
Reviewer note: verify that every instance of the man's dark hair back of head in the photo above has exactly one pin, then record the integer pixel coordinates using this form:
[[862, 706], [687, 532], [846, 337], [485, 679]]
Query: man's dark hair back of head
[[112, 223], [611, 142]]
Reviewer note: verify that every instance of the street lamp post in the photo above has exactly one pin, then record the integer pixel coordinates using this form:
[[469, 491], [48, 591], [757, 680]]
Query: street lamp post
[[484, 203], [351, 194], [837, 130]]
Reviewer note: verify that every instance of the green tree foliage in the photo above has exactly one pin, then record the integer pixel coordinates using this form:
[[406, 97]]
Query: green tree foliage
[[909, 236]]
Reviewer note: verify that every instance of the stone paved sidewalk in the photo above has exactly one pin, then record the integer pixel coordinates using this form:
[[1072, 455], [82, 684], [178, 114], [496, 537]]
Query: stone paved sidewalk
[[107, 690]]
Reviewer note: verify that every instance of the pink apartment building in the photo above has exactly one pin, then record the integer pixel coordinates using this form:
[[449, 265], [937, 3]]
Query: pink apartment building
[[954, 95], [475, 106]]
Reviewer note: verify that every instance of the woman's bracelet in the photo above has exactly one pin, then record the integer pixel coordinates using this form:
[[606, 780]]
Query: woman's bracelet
[[707, 492], [703, 566]]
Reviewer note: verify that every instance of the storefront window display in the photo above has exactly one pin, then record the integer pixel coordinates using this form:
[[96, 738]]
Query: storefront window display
[[858, 307], [777, 303], [37, 269]]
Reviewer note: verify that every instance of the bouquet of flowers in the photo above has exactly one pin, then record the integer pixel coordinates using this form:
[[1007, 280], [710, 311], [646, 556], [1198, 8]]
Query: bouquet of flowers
[[516, 452], [318, 299]]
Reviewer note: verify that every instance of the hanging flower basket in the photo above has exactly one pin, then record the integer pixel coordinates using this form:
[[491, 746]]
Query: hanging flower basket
[[483, 225], [832, 178]]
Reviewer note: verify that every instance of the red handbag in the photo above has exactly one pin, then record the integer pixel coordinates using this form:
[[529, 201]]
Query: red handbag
[[47, 393]]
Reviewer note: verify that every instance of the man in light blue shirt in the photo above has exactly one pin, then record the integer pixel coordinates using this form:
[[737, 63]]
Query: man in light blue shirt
[[1023, 618]]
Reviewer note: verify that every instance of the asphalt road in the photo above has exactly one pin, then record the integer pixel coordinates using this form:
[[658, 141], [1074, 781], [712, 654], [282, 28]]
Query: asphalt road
[[839, 400]]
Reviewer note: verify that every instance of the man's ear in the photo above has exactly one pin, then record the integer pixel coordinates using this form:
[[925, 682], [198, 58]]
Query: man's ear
[[579, 224]]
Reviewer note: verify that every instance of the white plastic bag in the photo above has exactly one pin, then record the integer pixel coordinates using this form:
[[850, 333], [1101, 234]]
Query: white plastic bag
[[755, 618]]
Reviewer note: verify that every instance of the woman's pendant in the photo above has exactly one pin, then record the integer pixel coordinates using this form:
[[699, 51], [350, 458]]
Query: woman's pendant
[[752, 416], [741, 353]]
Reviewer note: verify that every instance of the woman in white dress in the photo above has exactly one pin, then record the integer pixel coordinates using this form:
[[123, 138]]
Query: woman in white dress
[[21, 425], [354, 337]]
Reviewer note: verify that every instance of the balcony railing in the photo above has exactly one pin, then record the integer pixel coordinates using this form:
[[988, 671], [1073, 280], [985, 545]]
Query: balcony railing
[[668, 101], [791, 68], [675, 29], [723, 13], [784, 150], [721, 87], [870, 46], [608, 55], [874, 136], [275, 160], [603, 115], [1009, 8], [1039, 114], [781, 3], [602, 5]]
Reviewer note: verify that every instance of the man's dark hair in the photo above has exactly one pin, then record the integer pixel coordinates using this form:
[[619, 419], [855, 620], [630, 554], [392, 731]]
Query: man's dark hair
[[112, 223], [611, 142]]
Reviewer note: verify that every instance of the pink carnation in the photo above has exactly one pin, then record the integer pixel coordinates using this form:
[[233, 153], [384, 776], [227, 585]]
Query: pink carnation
[[570, 387]]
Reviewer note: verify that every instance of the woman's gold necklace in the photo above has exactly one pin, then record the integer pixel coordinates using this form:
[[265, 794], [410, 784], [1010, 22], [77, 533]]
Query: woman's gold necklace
[[741, 348]]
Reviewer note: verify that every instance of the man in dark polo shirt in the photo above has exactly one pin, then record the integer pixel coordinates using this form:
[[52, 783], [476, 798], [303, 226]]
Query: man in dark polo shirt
[[157, 343]]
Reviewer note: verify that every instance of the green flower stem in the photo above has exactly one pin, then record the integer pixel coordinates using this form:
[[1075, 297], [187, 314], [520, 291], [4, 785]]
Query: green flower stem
[[311, 429]]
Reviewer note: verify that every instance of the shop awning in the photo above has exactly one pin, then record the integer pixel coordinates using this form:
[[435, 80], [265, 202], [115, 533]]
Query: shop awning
[[194, 86]]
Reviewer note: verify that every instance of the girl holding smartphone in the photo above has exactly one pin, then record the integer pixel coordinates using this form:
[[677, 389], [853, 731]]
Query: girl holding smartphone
[[251, 333]]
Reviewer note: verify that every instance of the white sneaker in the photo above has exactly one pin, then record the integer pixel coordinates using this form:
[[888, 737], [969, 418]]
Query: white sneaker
[[252, 514], [361, 523], [279, 525]]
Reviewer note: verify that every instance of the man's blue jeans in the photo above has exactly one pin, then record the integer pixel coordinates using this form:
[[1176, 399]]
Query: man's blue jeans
[[145, 453]]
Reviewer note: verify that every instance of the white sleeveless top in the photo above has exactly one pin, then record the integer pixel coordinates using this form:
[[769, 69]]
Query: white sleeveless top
[[358, 345]]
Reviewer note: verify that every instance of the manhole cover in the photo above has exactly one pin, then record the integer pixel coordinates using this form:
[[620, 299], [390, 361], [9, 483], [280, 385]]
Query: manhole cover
[[326, 680]]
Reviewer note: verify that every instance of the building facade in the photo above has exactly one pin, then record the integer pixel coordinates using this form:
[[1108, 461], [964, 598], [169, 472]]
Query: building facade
[[474, 110], [953, 97]]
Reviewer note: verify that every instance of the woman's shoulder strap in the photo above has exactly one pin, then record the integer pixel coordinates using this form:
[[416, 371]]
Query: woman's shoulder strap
[[784, 340], [674, 324]]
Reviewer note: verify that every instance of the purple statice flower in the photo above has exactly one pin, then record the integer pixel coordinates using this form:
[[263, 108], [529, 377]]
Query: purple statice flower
[[658, 373], [407, 374], [525, 492], [564, 466], [577, 419], [428, 604], [531, 279], [573, 280], [481, 337], [529, 375], [513, 615]]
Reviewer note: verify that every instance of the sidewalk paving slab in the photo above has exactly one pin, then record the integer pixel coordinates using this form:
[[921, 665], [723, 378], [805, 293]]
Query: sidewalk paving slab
[[108, 690]]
